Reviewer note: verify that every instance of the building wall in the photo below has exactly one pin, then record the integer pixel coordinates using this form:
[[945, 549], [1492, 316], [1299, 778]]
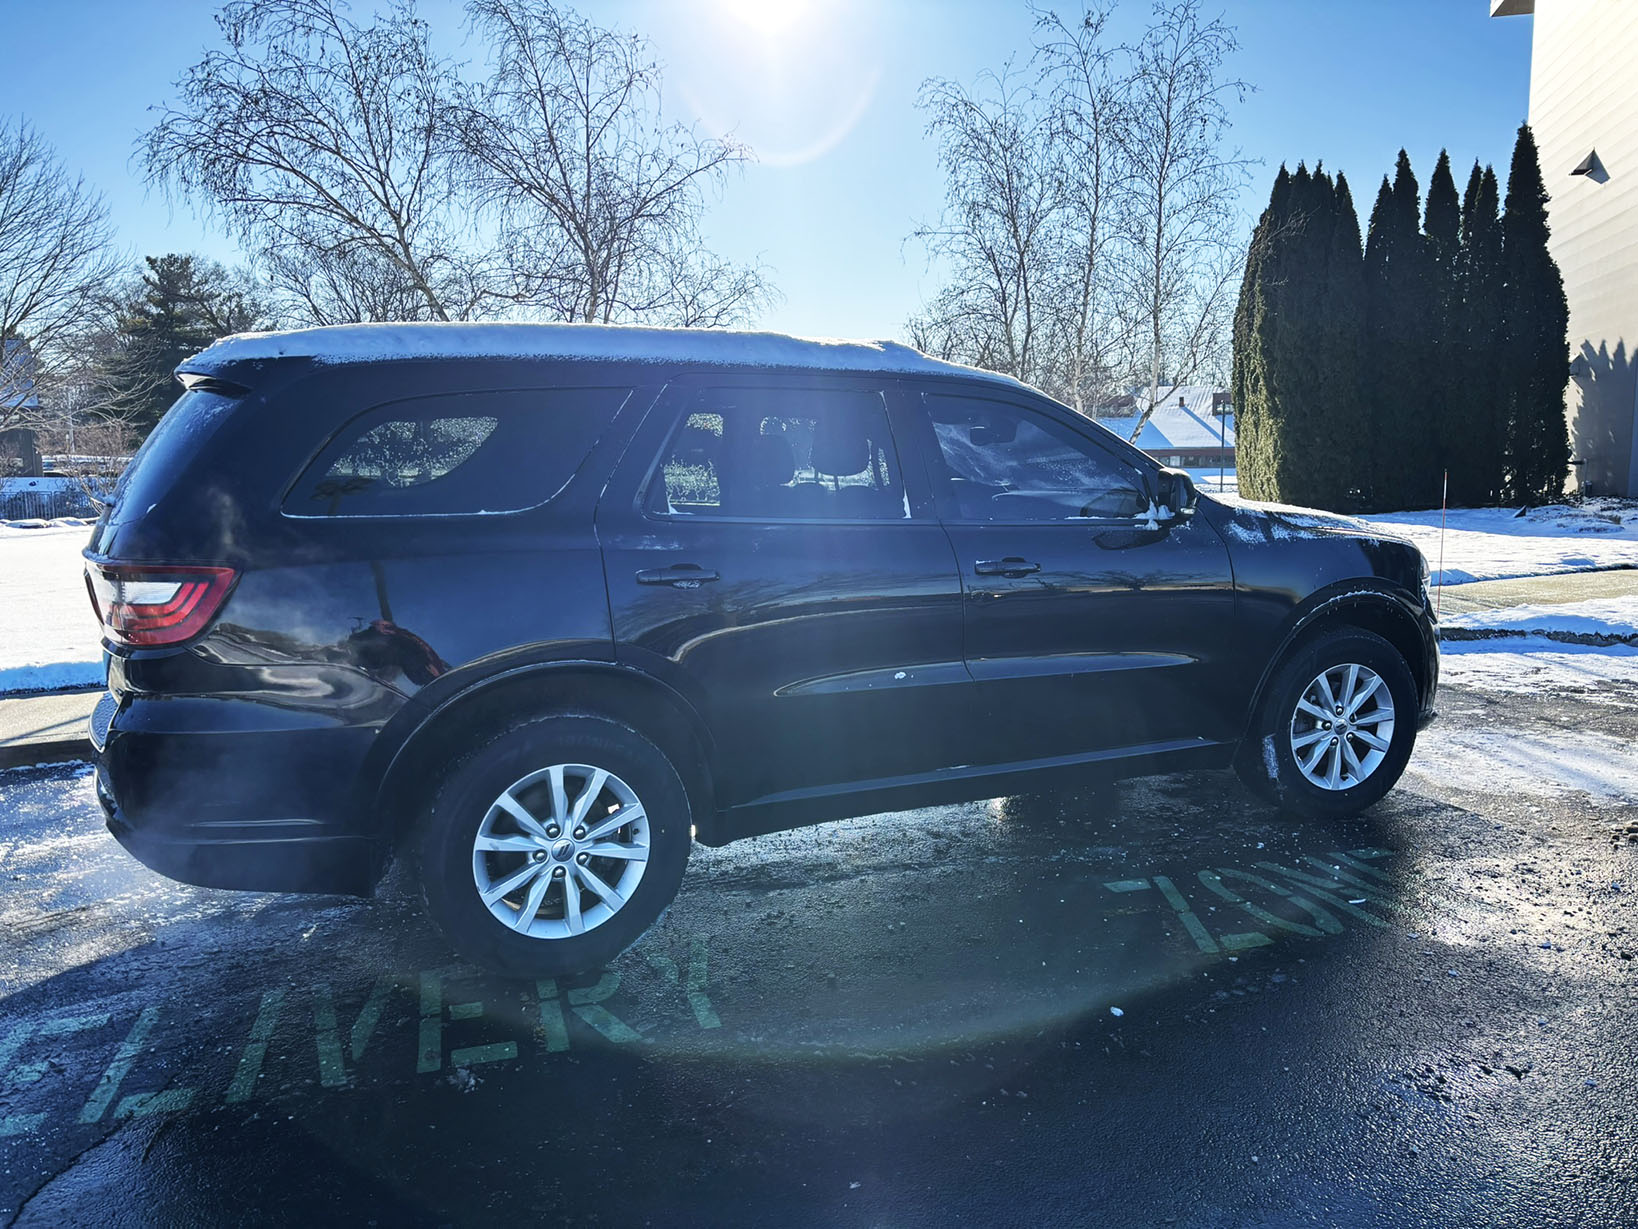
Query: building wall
[[19, 457], [1584, 96]]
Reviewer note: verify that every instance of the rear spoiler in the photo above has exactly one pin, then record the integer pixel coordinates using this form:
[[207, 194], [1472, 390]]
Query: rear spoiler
[[214, 369], [199, 381]]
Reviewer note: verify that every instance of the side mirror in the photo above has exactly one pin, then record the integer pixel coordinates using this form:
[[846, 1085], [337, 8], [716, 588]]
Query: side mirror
[[987, 437], [1175, 497]]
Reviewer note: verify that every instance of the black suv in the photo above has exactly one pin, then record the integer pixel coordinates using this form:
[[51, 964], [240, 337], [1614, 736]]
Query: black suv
[[539, 606]]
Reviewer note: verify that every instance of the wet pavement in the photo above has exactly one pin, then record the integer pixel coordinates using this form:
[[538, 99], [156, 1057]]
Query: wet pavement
[[1158, 1003]]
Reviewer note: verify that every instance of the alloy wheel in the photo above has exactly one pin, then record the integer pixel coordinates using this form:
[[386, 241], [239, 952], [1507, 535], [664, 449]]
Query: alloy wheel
[[1342, 727], [560, 851]]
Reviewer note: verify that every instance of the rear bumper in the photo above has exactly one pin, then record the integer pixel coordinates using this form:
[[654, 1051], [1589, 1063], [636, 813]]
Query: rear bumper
[[234, 801], [314, 864]]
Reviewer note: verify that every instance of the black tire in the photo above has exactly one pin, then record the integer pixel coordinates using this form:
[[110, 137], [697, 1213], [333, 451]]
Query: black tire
[[444, 846], [1267, 763]]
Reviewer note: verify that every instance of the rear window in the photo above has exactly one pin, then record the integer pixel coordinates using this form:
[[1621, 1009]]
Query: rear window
[[170, 446], [456, 454]]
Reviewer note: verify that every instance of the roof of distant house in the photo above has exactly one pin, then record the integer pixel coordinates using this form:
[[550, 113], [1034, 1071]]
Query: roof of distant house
[[1191, 425]]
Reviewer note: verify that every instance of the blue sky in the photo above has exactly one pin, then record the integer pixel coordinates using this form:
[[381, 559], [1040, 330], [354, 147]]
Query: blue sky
[[824, 90]]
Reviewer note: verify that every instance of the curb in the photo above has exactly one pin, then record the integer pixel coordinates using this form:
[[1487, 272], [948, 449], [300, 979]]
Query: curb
[[24, 755], [1602, 640]]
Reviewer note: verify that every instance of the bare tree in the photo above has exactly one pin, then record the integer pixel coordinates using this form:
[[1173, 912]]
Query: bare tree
[[1091, 226], [598, 198], [57, 270], [1181, 220], [1004, 189], [323, 146], [315, 286], [1088, 104]]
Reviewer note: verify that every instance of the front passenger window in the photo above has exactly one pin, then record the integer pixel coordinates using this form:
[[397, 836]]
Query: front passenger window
[[1002, 462]]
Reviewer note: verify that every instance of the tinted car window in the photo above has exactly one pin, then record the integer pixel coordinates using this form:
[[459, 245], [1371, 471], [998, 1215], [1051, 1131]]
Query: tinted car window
[[452, 454], [1003, 462], [175, 442], [779, 454]]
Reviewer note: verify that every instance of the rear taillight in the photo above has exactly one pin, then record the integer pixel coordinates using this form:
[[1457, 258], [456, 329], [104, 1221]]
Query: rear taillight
[[148, 604]]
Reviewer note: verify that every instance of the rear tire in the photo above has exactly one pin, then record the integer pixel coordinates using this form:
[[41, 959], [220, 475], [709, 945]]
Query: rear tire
[[1308, 758], [519, 866]]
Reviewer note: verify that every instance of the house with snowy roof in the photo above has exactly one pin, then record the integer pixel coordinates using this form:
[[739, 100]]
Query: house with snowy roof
[[1191, 428]]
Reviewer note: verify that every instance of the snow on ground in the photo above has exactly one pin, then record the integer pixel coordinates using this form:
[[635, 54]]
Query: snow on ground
[[1215, 482], [1608, 616], [1532, 664], [1498, 544], [1537, 764], [49, 636]]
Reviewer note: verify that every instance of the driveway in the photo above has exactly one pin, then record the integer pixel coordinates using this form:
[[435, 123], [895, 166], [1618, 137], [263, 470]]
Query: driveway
[[1154, 1004]]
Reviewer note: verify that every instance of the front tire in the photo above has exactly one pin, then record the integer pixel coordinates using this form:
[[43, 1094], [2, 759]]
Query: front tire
[[551, 848], [1335, 728]]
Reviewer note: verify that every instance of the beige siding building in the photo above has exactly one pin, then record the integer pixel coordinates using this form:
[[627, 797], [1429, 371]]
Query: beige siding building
[[1584, 111]]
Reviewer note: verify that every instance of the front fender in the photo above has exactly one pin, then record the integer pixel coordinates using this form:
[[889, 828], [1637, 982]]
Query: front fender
[[1376, 605]]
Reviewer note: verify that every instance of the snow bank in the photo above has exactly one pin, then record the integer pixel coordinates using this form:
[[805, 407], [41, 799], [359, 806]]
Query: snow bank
[[1533, 664], [1606, 616], [49, 637], [1498, 544]]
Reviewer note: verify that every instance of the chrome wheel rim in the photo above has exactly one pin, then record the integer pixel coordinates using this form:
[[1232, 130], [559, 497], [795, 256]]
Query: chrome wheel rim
[[560, 851], [1343, 726]]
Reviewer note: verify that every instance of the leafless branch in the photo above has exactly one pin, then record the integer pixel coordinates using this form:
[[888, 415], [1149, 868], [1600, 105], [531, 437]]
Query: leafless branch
[[57, 271]]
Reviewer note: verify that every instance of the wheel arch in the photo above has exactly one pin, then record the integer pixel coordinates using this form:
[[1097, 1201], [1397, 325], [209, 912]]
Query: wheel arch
[[1384, 612], [487, 706]]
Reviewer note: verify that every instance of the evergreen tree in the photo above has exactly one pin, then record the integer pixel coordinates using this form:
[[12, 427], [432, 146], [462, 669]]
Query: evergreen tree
[[179, 307], [1343, 353], [1442, 223], [1297, 347], [1256, 450], [1400, 319], [1477, 417], [1536, 326], [1441, 227]]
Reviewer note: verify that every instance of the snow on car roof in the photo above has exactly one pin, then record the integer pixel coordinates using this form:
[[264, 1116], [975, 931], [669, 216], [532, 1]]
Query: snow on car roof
[[354, 343]]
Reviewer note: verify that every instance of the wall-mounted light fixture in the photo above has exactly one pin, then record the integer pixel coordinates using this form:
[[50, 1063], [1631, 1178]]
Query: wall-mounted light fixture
[[1591, 167]]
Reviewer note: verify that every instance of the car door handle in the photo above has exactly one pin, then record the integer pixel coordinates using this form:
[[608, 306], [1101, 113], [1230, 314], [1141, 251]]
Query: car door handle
[[1012, 565], [678, 576]]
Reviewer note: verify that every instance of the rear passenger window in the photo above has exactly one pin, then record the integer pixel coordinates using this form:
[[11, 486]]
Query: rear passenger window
[[781, 454], [455, 454]]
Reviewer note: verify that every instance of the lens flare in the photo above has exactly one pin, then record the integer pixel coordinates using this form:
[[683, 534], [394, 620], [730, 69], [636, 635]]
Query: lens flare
[[769, 18]]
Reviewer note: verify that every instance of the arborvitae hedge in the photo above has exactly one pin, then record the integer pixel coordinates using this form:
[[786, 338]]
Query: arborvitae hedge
[[1297, 346], [1535, 357], [1476, 428], [1359, 379]]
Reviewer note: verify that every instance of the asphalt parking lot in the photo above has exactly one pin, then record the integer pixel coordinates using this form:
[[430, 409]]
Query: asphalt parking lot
[[1158, 1003]]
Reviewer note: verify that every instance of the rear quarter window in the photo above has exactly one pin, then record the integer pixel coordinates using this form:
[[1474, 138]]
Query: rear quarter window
[[455, 454], [169, 448]]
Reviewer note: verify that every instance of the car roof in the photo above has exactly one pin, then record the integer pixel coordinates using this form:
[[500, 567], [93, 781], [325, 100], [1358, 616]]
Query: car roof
[[367, 343]]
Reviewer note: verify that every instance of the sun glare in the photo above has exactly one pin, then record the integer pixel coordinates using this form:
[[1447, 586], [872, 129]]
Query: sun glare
[[769, 18], [790, 78]]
